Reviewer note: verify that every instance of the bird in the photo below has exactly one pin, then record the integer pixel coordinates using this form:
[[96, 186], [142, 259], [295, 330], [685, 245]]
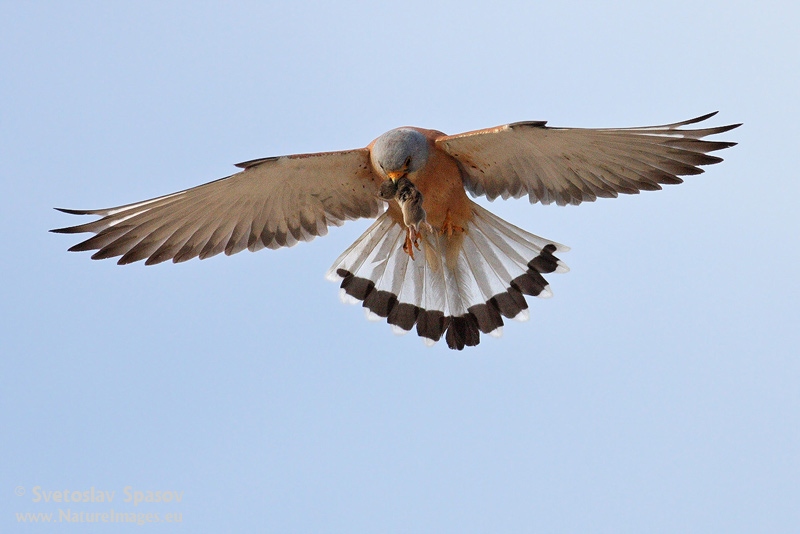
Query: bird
[[472, 269]]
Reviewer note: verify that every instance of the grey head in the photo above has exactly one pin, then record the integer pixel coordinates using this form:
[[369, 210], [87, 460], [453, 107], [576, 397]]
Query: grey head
[[400, 152]]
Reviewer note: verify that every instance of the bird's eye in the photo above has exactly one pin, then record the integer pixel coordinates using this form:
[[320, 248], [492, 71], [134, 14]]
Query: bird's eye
[[408, 161]]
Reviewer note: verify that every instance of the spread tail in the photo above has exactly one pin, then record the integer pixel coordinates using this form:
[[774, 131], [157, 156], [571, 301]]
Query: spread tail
[[458, 286]]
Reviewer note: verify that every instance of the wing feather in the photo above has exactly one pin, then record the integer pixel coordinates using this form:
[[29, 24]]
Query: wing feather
[[574, 165], [274, 202]]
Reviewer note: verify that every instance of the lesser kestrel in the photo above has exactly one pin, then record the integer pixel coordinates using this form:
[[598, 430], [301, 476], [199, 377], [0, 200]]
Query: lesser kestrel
[[433, 260]]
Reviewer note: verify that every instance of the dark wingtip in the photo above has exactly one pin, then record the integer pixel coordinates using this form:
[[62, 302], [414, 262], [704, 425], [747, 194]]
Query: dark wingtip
[[74, 229], [727, 128], [528, 124], [253, 162], [74, 212], [703, 117], [69, 230]]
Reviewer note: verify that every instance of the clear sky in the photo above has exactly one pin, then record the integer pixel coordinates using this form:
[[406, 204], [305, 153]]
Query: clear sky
[[657, 391]]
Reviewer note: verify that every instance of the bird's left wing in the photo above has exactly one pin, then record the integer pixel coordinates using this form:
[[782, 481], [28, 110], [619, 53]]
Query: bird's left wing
[[574, 165], [273, 202]]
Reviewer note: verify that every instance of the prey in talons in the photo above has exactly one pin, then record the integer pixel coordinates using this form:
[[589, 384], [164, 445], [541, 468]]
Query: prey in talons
[[409, 199]]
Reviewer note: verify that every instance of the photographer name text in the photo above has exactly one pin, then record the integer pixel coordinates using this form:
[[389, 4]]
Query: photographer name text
[[129, 495]]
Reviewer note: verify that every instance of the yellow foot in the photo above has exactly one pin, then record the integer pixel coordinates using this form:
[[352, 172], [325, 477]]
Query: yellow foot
[[448, 227], [408, 246], [412, 238]]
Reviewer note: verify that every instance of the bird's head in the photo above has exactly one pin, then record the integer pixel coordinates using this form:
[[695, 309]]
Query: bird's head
[[400, 152]]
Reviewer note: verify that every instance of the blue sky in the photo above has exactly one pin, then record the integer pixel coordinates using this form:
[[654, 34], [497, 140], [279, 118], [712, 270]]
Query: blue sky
[[656, 391]]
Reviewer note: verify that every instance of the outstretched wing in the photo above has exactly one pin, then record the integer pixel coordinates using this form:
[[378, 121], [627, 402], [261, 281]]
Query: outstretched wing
[[273, 202], [574, 165]]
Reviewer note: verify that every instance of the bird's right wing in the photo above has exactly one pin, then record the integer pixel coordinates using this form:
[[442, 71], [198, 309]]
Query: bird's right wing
[[273, 202], [574, 165]]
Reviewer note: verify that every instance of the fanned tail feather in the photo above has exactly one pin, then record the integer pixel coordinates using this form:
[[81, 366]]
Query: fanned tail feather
[[458, 286]]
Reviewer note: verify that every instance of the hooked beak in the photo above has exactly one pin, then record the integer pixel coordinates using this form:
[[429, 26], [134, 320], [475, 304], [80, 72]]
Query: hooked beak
[[396, 175]]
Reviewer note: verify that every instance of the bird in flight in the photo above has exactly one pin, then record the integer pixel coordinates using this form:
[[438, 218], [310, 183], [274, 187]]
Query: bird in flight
[[434, 260]]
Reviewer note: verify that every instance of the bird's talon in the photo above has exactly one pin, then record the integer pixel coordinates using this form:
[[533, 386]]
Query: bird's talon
[[408, 246], [448, 227], [414, 236]]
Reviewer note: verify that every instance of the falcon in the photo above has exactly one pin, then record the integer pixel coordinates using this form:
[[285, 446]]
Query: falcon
[[434, 260]]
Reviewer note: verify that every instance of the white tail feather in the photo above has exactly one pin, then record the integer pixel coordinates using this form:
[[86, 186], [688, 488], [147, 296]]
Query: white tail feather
[[486, 265]]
